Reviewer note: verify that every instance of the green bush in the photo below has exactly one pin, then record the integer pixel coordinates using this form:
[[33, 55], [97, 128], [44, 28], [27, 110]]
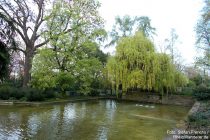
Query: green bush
[[16, 93], [23, 99], [5, 92], [33, 94], [188, 91], [200, 118], [12, 98], [94, 92], [49, 93], [202, 92], [8, 92]]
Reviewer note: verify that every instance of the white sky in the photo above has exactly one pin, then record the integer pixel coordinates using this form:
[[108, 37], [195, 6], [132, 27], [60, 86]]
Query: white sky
[[182, 15]]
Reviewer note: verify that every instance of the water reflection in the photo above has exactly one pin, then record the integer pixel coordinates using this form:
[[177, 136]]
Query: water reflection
[[69, 112], [83, 110], [34, 125], [110, 109], [10, 126], [102, 133], [99, 120]]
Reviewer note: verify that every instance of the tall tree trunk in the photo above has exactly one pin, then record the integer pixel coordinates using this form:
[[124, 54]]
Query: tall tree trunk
[[27, 67]]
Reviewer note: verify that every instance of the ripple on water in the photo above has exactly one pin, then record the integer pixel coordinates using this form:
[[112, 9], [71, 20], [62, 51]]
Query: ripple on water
[[98, 120]]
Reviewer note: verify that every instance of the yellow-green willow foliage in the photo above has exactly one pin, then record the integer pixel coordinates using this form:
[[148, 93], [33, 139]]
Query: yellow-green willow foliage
[[165, 73], [137, 65]]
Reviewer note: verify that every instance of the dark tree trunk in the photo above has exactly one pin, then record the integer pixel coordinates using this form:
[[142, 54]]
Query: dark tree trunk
[[120, 91], [27, 67]]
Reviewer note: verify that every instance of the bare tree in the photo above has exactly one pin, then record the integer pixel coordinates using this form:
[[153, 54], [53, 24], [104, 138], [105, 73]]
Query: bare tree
[[171, 41], [28, 18], [203, 37]]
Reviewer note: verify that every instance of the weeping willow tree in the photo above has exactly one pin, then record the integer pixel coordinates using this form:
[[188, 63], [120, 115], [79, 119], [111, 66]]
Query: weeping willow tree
[[165, 74], [137, 65]]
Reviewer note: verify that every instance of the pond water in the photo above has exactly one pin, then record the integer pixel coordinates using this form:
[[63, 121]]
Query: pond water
[[89, 120]]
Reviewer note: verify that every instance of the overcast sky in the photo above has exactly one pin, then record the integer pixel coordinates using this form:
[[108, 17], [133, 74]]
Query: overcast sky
[[182, 15]]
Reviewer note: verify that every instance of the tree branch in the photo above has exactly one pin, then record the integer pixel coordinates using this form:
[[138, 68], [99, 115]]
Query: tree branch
[[19, 49], [39, 19], [46, 41]]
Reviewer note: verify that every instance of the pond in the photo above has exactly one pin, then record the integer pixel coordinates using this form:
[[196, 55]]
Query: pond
[[89, 120]]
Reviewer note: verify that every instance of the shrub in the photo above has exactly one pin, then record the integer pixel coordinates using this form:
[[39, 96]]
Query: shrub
[[33, 94], [202, 93], [23, 99], [49, 93], [94, 92], [5, 92], [17, 93], [200, 118], [8, 92], [188, 91]]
